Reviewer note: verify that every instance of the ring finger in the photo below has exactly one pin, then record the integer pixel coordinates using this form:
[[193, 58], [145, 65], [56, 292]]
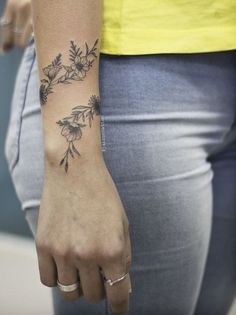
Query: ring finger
[[67, 275], [91, 282]]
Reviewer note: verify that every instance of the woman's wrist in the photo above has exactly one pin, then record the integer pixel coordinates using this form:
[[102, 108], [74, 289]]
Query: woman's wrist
[[54, 154], [79, 176], [70, 155]]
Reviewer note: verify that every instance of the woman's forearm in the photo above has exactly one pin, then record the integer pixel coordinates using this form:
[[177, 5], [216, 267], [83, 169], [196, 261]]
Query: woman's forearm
[[82, 224], [67, 35]]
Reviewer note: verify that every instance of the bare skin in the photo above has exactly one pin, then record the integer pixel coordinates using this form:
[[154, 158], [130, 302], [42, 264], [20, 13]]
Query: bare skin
[[20, 14], [84, 229], [82, 225]]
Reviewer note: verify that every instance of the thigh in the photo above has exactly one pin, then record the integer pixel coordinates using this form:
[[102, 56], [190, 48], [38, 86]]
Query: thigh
[[219, 283], [24, 143], [161, 117]]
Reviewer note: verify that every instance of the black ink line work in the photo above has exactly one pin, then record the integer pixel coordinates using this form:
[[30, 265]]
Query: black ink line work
[[56, 72], [71, 126]]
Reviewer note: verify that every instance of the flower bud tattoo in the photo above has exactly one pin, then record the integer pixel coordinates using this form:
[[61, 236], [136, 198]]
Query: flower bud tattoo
[[56, 73], [71, 127]]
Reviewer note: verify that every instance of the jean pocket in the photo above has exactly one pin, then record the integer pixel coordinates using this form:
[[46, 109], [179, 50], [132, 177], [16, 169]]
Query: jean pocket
[[11, 148]]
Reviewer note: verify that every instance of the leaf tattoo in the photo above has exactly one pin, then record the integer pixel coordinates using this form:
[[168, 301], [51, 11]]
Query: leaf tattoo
[[71, 127], [56, 72]]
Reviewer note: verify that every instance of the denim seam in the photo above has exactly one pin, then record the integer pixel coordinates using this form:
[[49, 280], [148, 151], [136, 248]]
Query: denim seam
[[102, 124], [22, 109]]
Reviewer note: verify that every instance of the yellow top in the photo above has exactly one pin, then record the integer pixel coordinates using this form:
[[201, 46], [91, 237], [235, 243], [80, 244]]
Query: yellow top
[[168, 26]]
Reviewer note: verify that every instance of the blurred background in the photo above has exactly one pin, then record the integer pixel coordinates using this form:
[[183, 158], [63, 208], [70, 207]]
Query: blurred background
[[21, 292], [8, 67]]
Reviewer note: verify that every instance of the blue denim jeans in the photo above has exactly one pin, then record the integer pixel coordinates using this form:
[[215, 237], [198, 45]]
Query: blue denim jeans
[[169, 142]]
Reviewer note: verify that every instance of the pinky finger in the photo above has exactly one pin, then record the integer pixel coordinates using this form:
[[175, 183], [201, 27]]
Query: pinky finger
[[47, 270]]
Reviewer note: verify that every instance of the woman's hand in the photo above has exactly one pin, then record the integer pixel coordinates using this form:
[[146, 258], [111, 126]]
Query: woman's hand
[[17, 24], [83, 226]]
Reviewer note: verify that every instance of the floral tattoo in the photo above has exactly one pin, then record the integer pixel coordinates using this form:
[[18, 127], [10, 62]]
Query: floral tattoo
[[71, 127], [56, 72]]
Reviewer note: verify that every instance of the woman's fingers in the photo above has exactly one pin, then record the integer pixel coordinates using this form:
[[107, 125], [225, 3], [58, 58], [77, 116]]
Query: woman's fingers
[[91, 282], [47, 269], [18, 32], [6, 29], [19, 28], [67, 275]]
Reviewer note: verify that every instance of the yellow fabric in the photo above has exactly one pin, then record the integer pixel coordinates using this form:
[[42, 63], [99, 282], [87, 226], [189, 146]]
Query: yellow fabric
[[168, 26]]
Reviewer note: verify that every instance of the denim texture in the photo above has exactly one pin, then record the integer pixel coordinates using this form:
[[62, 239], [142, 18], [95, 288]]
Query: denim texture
[[169, 142]]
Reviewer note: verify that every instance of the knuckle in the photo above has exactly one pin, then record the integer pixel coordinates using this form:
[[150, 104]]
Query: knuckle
[[112, 254], [84, 254], [60, 251], [42, 246], [46, 247], [115, 251]]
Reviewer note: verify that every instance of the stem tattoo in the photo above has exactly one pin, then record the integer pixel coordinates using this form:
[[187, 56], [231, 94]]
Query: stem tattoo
[[56, 73], [71, 127]]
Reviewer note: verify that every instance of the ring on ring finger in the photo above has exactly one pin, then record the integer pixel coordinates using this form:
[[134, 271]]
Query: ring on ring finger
[[68, 288]]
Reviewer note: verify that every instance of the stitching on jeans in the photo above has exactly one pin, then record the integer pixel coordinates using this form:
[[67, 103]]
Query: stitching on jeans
[[102, 124], [24, 101]]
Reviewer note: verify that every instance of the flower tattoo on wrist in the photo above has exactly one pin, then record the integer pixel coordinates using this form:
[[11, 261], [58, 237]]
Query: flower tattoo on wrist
[[71, 127], [56, 73]]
